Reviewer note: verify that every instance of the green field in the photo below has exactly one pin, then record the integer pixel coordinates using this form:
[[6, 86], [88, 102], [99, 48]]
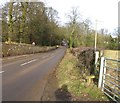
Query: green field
[[113, 54]]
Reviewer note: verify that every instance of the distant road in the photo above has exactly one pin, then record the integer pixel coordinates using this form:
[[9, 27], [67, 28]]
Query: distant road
[[24, 77]]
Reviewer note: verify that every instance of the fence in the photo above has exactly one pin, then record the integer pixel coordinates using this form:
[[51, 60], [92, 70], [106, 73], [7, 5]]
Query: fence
[[109, 78]]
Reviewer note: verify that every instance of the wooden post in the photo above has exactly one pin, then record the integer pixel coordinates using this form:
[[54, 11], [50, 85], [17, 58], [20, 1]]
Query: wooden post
[[101, 72], [96, 56], [89, 79], [96, 59]]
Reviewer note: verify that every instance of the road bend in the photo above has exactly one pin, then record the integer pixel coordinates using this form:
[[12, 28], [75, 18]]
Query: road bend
[[24, 77]]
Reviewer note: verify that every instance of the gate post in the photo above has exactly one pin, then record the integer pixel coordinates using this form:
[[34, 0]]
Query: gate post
[[104, 74], [101, 72]]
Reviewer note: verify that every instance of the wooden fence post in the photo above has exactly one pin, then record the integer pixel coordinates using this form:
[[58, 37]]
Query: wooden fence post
[[101, 72]]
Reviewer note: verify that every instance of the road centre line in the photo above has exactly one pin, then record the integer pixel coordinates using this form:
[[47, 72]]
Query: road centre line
[[28, 62], [2, 71]]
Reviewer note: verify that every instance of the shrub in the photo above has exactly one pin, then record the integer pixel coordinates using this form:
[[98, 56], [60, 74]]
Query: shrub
[[86, 61]]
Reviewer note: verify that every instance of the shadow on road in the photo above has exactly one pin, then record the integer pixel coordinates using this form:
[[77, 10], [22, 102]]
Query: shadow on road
[[63, 94]]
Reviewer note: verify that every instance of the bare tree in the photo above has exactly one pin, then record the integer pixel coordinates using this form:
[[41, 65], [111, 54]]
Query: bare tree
[[73, 17]]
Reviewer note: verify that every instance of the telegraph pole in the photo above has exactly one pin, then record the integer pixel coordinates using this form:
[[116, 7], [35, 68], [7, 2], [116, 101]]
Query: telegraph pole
[[95, 34], [96, 52], [96, 24]]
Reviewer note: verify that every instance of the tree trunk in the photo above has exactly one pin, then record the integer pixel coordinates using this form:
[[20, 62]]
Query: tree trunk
[[71, 39], [23, 19], [10, 22]]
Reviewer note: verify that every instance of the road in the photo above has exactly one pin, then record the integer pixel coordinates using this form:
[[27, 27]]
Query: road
[[24, 77]]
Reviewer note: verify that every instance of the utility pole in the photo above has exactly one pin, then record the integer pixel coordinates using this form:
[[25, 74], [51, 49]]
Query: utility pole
[[96, 52], [96, 24], [95, 34]]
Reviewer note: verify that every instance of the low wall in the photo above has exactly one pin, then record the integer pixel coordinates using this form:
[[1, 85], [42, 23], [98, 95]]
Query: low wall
[[20, 49]]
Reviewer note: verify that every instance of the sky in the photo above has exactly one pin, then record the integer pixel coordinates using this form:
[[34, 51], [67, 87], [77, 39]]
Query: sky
[[105, 11]]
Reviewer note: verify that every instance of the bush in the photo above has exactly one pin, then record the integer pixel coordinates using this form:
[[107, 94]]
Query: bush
[[86, 61]]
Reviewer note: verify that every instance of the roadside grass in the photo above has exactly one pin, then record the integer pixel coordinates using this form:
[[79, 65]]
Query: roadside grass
[[68, 74]]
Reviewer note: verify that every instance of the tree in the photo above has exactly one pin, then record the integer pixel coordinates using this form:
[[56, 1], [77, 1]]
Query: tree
[[10, 22], [24, 6], [32, 22], [73, 17], [4, 22]]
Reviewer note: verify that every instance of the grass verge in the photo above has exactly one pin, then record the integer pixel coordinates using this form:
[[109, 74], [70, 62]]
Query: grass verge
[[68, 74]]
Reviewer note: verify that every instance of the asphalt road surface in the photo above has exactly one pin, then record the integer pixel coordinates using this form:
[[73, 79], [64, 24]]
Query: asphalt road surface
[[24, 77]]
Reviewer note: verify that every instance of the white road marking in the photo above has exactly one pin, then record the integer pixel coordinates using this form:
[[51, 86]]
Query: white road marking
[[28, 62], [2, 71]]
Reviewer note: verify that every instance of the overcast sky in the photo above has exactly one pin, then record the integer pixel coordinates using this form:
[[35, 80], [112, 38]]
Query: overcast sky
[[106, 11]]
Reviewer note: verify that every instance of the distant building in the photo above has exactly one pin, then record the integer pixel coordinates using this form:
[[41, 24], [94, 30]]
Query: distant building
[[114, 36]]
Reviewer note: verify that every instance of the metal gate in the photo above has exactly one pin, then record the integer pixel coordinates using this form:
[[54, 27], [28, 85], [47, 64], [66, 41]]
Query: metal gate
[[109, 78]]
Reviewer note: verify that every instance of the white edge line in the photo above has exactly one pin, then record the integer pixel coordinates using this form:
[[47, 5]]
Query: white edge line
[[2, 71]]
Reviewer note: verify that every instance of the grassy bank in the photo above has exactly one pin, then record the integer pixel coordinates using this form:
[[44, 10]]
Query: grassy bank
[[68, 75]]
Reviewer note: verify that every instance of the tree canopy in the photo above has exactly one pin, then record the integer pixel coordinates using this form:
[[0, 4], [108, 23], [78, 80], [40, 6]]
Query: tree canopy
[[27, 22]]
